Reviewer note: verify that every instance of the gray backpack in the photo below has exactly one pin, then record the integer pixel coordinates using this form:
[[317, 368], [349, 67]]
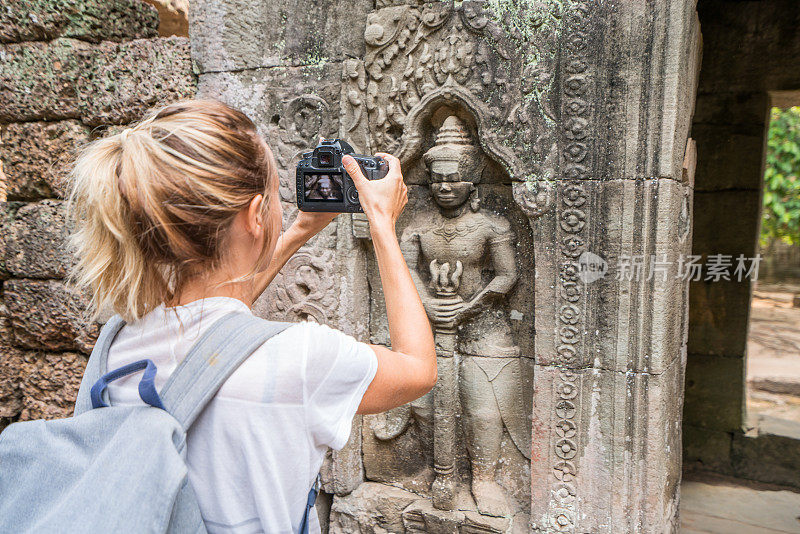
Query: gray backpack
[[122, 468]]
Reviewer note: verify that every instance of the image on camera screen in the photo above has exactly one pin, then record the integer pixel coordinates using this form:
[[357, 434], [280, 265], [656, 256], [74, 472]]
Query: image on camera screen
[[323, 187]]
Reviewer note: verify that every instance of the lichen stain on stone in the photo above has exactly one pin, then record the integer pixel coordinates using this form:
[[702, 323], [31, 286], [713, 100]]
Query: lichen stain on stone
[[535, 27]]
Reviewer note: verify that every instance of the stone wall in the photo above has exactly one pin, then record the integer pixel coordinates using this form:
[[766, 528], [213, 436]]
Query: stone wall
[[567, 124], [69, 70]]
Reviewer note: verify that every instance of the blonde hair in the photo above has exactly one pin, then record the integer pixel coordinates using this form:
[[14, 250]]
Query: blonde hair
[[151, 206]]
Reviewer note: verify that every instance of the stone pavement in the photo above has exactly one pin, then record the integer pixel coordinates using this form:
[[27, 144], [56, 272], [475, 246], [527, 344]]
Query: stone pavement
[[715, 505], [773, 354]]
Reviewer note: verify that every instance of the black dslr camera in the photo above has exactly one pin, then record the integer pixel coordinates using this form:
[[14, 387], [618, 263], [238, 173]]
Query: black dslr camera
[[324, 185]]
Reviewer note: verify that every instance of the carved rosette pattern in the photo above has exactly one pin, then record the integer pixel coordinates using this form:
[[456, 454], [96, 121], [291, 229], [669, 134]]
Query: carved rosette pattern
[[575, 145]]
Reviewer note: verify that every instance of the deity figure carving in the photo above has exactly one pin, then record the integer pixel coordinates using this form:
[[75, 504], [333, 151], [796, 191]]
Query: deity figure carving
[[463, 264]]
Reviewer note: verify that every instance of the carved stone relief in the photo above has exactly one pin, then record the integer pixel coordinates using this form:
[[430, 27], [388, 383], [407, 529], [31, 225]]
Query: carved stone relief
[[465, 265], [417, 55], [442, 87], [576, 152], [303, 290]]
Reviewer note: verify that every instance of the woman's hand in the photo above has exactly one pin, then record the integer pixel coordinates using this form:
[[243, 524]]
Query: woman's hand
[[309, 224], [382, 200]]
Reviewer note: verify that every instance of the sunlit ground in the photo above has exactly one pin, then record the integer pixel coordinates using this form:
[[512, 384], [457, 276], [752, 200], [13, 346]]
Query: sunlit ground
[[713, 504], [773, 353]]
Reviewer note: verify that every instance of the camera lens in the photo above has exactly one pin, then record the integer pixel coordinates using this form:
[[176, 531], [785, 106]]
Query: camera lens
[[326, 159]]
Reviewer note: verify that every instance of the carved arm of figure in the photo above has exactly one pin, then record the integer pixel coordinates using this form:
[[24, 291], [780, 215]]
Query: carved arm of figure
[[505, 276], [410, 247]]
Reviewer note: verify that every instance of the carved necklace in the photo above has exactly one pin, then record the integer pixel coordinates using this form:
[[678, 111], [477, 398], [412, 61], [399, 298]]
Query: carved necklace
[[449, 230]]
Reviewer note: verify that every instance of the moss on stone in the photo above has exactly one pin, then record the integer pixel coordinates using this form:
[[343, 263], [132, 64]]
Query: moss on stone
[[87, 20]]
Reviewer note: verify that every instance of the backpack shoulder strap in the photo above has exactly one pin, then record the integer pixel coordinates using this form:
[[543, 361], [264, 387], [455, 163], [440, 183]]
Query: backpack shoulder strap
[[212, 359], [98, 363]]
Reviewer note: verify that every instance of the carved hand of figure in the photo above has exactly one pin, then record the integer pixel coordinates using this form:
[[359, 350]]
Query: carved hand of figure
[[465, 311], [446, 311]]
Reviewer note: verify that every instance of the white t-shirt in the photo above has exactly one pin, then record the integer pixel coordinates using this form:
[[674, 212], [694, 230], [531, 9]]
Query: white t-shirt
[[255, 451]]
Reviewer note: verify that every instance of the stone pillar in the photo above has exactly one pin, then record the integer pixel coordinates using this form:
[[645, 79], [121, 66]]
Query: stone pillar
[[610, 352], [743, 75]]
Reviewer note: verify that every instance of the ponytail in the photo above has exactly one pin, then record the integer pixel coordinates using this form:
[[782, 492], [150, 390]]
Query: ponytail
[[151, 206]]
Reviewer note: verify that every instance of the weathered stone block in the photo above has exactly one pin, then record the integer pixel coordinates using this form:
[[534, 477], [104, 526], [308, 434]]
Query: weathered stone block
[[719, 309], [639, 229], [706, 448], [37, 244], [718, 313], [10, 368], [7, 211], [50, 383], [769, 457], [583, 422], [240, 34], [740, 232], [128, 79], [88, 20], [370, 508], [746, 111], [102, 83], [728, 159], [715, 392], [646, 98], [322, 507], [38, 81], [36, 156], [765, 33], [49, 315]]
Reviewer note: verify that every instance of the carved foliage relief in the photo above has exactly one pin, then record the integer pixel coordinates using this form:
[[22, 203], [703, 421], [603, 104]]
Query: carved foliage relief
[[416, 51], [303, 290]]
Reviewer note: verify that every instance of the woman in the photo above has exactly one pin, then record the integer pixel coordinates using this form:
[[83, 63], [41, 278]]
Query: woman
[[177, 223]]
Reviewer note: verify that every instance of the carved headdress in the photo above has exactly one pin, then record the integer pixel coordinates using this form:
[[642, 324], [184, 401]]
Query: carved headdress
[[455, 150]]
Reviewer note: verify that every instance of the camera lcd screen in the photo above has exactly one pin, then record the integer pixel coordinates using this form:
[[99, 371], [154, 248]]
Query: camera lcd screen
[[323, 187]]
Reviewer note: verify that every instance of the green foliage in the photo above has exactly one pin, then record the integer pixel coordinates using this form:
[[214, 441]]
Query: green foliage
[[781, 216]]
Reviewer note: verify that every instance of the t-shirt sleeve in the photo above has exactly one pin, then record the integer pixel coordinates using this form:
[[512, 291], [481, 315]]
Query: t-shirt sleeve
[[338, 371]]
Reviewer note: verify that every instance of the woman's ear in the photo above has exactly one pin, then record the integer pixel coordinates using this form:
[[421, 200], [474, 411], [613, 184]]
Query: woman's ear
[[255, 216]]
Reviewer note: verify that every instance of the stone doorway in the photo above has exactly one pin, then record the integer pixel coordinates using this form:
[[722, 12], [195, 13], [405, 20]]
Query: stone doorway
[[750, 57], [773, 340]]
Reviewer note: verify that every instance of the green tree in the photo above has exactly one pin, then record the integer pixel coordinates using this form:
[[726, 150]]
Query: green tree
[[781, 216]]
